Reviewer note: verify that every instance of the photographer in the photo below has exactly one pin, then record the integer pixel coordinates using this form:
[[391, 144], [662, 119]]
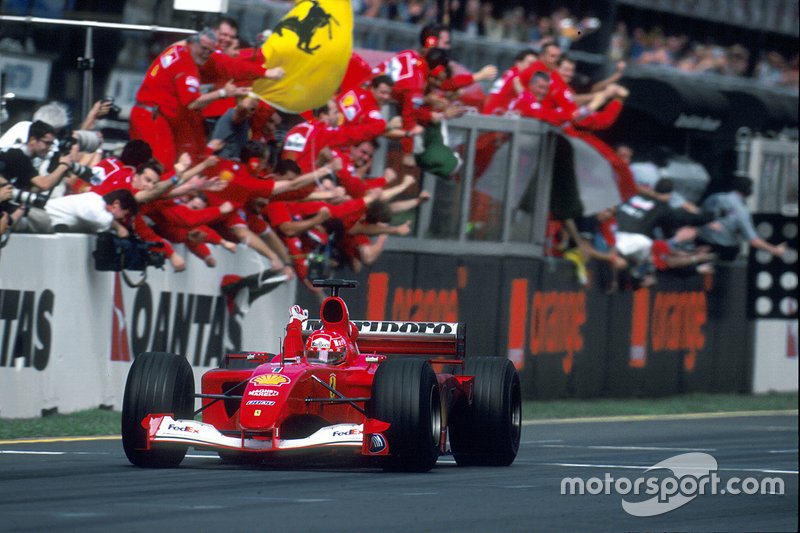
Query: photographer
[[9, 211], [21, 172], [91, 213]]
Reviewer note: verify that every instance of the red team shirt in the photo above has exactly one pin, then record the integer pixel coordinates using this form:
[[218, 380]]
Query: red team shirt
[[409, 71], [502, 93], [305, 141], [358, 106]]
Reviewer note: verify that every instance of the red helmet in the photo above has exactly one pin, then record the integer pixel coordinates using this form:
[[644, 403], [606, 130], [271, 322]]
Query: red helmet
[[326, 347]]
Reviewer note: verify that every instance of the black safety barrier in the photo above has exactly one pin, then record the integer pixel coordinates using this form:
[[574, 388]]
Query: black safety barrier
[[684, 334]]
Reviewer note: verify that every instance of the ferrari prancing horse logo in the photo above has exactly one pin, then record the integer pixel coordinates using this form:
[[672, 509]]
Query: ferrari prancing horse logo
[[305, 28]]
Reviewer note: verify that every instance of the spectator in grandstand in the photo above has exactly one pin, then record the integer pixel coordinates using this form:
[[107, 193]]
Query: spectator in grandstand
[[166, 114], [493, 29], [367, 8], [418, 12], [514, 24], [543, 32], [619, 48], [662, 50], [770, 68], [737, 61], [733, 224]]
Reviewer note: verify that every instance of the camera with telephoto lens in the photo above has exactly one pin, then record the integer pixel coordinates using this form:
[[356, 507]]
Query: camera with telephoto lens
[[21, 198], [87, 141]]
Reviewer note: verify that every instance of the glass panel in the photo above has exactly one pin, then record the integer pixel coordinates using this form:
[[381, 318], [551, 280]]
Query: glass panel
[[492, 168], [523, 193], [446, 190]]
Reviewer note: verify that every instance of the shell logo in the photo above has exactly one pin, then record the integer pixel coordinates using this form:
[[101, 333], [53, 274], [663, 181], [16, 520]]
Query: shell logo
[[348, 99], [226, 175], [270, 379]]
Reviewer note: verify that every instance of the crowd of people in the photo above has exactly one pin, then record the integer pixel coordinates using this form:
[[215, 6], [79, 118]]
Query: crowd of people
[[221, 167], [630, 42]]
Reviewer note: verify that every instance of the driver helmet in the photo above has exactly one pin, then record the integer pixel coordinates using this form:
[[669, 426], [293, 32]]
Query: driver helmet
[[326, 347]]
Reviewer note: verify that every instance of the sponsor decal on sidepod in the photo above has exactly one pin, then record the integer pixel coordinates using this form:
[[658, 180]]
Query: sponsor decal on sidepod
[[270, 380], [263, 392]]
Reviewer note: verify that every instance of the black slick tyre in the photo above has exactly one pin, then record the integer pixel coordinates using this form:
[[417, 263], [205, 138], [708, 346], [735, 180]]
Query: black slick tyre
[[157, 382], [487, 433], [405, 393]]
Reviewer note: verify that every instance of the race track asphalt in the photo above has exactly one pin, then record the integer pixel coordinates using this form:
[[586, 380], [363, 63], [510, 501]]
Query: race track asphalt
[[88, 485]]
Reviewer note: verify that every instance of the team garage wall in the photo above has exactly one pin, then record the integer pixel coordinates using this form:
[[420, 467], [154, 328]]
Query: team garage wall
[[683, 335], [68, 332]]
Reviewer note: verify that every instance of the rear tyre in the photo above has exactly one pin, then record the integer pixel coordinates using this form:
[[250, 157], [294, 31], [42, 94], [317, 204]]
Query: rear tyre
[[405, 393], [158, 382], [487, 433]]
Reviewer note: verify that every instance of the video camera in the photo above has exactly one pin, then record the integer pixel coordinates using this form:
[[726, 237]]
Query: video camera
[[131, 253]]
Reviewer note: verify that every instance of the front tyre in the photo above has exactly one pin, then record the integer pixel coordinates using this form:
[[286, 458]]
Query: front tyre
[[487, 433], [405, 393], [158, 382]]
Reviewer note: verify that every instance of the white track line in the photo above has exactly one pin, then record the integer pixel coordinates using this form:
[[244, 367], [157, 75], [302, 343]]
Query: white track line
[[637, 467], [639, 448]]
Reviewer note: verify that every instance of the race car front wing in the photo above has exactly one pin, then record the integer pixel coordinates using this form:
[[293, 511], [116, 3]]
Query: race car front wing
[[163, 428]]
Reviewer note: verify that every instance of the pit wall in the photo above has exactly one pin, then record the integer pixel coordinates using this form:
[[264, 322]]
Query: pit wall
[[68, 333], [682, 335]]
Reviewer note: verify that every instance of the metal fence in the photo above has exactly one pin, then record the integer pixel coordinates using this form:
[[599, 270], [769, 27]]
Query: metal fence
[[497, 203]]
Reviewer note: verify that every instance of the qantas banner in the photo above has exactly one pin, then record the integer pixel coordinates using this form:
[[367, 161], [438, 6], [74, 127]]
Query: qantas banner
[[69, 333]]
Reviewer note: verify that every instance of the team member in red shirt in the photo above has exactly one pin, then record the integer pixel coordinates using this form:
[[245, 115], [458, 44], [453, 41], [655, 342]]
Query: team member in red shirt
[[559, 91], [186, 220], [508, 87], [305, 141], [409, 70], [534, 103], [166, 114], [358, 105]]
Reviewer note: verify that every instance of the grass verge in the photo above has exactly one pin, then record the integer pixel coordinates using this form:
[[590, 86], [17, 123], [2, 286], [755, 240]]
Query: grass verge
[[686, 403], [104, 422]]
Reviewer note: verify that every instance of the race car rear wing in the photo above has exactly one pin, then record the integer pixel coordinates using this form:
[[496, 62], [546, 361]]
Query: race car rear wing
[[406, 338]]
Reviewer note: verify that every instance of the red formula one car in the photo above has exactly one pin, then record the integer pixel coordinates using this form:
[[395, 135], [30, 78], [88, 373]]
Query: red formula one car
[[389, 392]]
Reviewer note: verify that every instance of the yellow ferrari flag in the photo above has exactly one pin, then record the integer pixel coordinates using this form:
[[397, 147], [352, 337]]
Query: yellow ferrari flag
[[312, 43]]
